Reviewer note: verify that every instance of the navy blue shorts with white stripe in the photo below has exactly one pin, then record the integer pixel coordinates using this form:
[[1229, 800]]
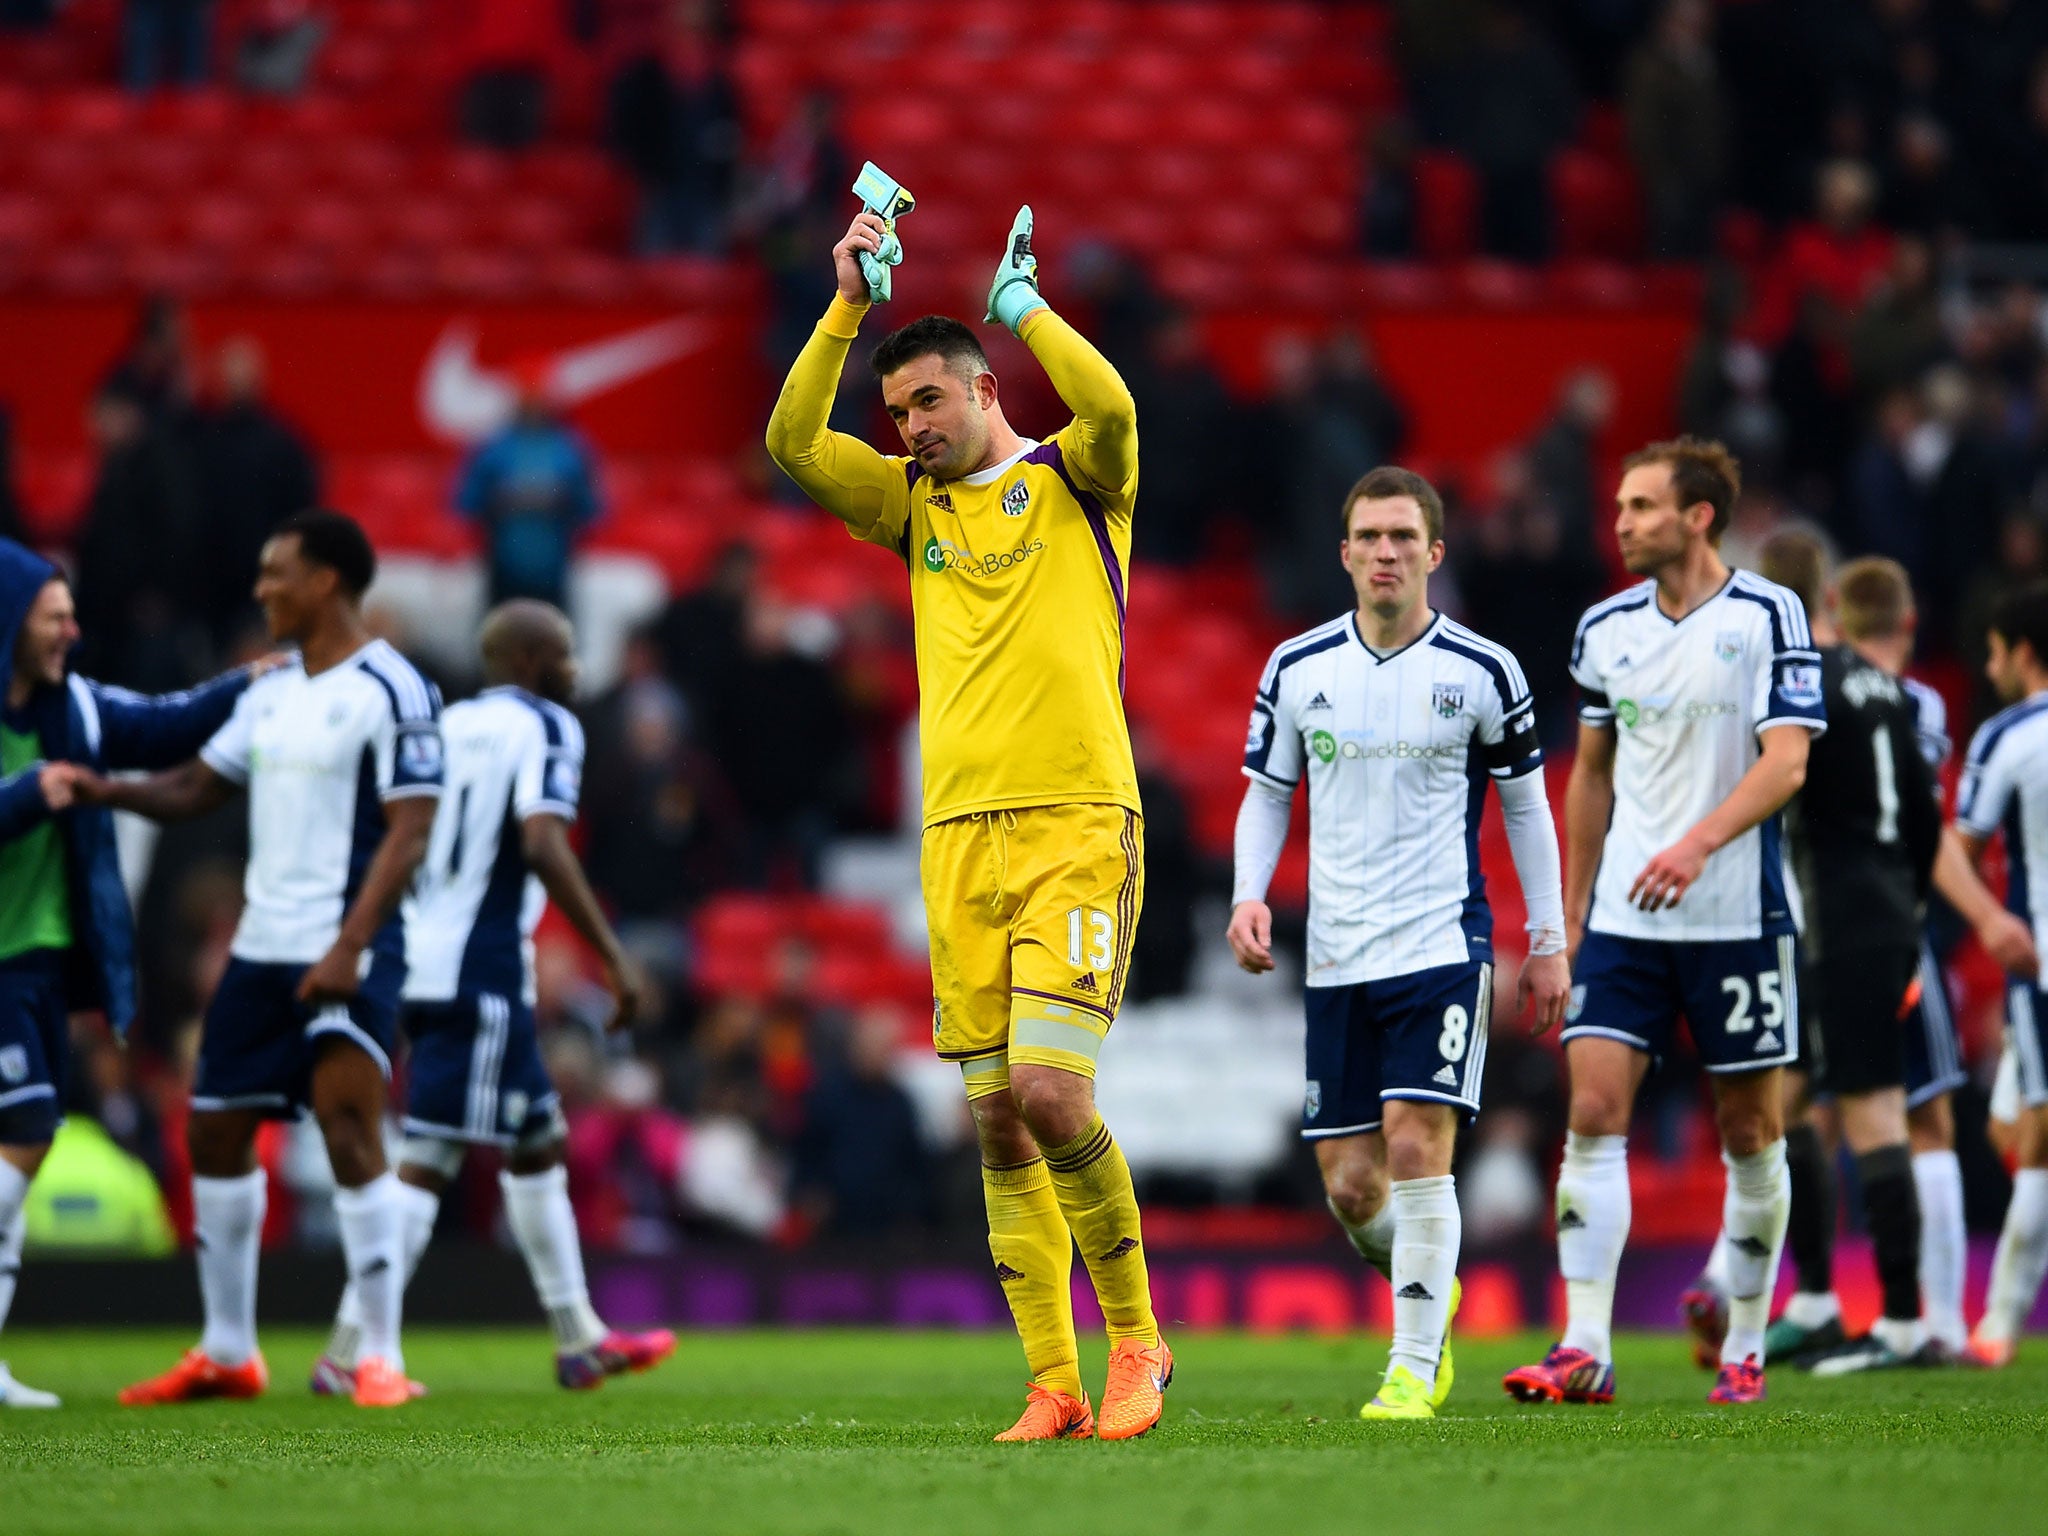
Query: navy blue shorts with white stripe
[[35, 1047], [1739, 997], [258, 1047], [475, 1072], [2026, 1032], [1934, 1061], [1420, 1037]]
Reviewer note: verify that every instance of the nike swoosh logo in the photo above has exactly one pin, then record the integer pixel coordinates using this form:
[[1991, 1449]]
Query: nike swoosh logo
[[461, 400]]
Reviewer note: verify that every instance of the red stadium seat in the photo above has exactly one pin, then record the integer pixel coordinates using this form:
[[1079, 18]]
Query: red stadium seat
[[1595, 205], [224, 221], [1447, 205]]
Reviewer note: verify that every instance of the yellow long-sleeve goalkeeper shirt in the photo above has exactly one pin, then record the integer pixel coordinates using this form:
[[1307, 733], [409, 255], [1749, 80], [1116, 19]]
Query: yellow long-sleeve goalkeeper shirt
[[1017, 577]]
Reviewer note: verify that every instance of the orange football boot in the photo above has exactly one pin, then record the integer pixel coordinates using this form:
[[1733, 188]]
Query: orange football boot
[[195, 1377], [379, 1384], [1136, 1393], [1050, 1415]]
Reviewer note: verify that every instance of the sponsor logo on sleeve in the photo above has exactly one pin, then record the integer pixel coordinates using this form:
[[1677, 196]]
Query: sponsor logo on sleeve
[[1799, 684]]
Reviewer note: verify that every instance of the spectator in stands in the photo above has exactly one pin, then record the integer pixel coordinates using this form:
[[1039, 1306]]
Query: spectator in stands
[[1565, 468], [1189, 424], [278, 42], [1677, 129], [1163, 952], [793, 200], [1927, 191], [1386, 203], [533, 488], [2022, 187], [1898, 333], [1814, 392], [781, 734], [166, 42], [675, 124], [1839, 257], [156, 369], [878, 679], [142, 568], [660, 823], [700, 633], [254, 472], [861, 1167], [1515, 107], [510, 52], [10, 500]]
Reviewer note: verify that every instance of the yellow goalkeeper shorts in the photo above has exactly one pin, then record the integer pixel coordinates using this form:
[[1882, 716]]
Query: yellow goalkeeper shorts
[[1031, 913]]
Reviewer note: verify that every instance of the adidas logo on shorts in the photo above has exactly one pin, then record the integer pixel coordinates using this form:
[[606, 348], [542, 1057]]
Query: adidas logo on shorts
[[1085, 982]]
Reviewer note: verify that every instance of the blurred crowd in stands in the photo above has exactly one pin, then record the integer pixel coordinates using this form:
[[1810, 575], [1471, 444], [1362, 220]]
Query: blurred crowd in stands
[[1839, 168]]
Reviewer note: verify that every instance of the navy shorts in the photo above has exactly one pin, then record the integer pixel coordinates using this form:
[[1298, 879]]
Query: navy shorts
[[474, 1073], [1420, 1036], [259, 1043], [35, 1047], [1934, 1061], [2026, 1014], [1739, 997]]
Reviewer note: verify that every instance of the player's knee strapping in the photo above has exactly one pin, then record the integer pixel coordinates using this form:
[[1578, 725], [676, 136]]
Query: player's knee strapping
[[986, 1075], [1033, 1252], [1096, 1196]]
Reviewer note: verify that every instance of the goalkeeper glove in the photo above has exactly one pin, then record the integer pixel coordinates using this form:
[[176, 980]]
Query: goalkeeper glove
[[881, 195], [1014, 293]]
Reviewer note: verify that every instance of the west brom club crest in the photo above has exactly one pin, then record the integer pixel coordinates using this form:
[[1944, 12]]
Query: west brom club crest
[[1016, 499], [1448, 699]]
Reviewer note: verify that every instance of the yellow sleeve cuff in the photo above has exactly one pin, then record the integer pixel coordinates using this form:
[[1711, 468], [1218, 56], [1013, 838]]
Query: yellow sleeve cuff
[[842, 319]]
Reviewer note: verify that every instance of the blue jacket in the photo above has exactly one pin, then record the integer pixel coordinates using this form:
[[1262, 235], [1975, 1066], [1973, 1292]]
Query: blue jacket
[[106, 729]]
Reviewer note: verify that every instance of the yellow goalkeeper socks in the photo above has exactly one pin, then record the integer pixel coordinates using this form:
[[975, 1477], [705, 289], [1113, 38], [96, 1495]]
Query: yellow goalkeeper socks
[[1094, 1186], [1034, 1254]]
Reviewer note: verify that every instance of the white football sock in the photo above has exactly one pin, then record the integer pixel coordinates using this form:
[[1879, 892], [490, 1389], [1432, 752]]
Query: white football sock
[[418, 1209], [13, 1227], [2022, 1257], [1375, 1240], [228, 1223], [1944, 1245], [1754, 1215], [1427, 1228], [1812, 1309], [372, 1246], [1716, 1270], [544, 1225], [1592, 1228]]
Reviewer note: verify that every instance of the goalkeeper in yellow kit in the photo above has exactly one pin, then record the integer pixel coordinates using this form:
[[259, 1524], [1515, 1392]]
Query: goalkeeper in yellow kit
[[1032, 862]]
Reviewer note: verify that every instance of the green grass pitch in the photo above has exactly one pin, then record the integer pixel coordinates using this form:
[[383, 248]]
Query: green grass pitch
[[883, 1432]]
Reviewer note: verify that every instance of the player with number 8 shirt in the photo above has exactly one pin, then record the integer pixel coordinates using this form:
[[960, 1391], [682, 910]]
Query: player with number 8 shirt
[[1398, 718], [1700, 693]]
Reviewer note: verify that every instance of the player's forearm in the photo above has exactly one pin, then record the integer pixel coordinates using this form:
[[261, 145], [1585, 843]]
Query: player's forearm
[[554, 862], [1956, 877], [1588, 804], [396, 861], [1261, 836], [841, 474], [1532, 844], [1773, 779], [1089, 385], [177, 794]]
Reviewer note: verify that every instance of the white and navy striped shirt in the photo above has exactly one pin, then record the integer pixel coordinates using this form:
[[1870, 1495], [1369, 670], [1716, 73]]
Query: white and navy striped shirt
[[1397, 750], [319, 756], [1930, 721], [470, 922], [2005, 789], [1688, 699]]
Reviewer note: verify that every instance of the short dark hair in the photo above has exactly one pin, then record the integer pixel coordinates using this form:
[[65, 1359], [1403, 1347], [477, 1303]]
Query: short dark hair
[[1701, 470], [337, 542], [1795, 559], [931, 335], [2022, 614], [1873, 598], [1389, 481]]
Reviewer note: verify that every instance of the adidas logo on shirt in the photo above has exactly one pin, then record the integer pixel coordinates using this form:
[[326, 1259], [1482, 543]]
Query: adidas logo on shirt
[[1318, 702], [1085, 982], [1445, 1076]]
